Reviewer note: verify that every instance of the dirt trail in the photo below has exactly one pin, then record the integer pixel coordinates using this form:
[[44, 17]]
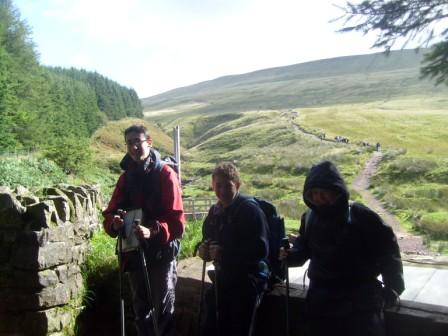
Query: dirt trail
[[410, 245]]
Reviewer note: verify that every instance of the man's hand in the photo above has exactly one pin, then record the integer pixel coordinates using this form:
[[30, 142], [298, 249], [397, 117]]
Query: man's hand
[[117, 222], [203, 251], [391, 298], [142, 232], [215, 251]]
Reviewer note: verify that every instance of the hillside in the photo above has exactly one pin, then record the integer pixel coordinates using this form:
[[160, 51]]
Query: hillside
[[350, 79]]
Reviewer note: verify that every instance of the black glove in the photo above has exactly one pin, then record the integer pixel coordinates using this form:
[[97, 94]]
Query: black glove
[[390, 297]]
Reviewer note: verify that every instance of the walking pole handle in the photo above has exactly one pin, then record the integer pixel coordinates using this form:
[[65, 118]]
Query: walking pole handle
[[120, 277]]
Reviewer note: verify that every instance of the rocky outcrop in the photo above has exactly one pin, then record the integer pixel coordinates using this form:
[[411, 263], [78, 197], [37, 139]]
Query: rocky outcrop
[[43, 242]]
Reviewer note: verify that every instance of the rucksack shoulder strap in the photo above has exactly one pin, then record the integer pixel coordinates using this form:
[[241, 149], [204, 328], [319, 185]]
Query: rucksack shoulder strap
[[242, 199]]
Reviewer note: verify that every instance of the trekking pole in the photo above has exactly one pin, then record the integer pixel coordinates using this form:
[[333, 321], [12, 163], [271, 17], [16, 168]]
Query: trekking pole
[[285, 245], [120, 276], [201, 302], [254, 313], [153, 311], [218, 330]]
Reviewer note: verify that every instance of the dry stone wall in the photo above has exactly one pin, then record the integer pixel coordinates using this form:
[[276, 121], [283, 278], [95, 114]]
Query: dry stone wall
[[43, 242]]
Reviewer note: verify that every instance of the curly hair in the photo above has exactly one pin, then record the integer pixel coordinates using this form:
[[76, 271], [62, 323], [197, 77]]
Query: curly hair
[[227, 170], [140, 129]]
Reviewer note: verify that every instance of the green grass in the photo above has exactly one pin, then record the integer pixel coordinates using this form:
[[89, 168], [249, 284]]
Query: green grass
[[412, 180], [192, 236], [274, 158], [416, 124]]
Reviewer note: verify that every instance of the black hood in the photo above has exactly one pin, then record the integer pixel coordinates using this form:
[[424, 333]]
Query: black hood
[[325, 175]]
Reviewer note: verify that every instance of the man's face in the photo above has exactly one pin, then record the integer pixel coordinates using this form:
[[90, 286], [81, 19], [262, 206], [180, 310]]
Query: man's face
[[225, 189], [138, 146], [321, 197]]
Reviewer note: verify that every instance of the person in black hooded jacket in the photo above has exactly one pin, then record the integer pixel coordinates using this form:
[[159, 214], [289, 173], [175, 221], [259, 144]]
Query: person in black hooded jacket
[[349, 247]]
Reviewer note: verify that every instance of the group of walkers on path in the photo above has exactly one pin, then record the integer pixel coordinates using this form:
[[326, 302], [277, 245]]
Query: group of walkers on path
[[348, 246]]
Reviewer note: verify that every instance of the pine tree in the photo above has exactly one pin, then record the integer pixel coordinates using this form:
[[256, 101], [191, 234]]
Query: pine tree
[[413, 20]]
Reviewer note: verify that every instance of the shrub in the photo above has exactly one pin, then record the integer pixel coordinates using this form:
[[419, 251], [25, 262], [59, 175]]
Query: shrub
[[439, 175], [391, 154], [261, 181], [291, 208], [301, 168], [72, 154], [409, 168], [30, 172], [435, 224]]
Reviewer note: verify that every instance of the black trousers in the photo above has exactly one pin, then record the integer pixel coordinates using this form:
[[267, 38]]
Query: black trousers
[[236, 306], [356, 324], [350, 311]]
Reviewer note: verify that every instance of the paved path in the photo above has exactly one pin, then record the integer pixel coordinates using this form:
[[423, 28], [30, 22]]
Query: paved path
[[423, 284]]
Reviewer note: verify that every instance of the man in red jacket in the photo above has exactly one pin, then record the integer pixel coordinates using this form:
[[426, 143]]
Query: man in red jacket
[[153, 187]]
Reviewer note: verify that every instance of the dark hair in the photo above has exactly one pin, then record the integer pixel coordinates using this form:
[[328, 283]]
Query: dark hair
[[227, 170], [137, 129]]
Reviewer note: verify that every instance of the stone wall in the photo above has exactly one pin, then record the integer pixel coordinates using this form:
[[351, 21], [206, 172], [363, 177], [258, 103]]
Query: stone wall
[[43, 241]]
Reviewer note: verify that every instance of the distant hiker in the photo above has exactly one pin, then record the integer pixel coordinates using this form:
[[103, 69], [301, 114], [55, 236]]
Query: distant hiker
[[153, 187], [378, 147], [348, 246], [235, 238]]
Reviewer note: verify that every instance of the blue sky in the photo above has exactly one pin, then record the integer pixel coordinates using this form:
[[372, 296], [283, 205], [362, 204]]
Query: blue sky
[[157, 45]]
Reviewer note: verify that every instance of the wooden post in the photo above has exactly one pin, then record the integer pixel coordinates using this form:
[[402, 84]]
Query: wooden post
[[176, 140]]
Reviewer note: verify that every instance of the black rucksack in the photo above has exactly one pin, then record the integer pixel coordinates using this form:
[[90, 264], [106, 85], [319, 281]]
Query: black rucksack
[[170, 161], [276, 237]]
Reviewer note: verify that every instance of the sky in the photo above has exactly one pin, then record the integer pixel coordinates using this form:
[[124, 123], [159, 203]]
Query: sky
[[154, 46]]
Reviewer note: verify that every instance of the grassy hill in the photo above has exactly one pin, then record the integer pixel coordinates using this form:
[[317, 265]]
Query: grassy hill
[[342, 80], [256, 118], [365, 98]]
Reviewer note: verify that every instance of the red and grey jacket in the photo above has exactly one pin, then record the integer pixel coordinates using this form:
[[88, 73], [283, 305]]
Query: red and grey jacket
[[155, 189]]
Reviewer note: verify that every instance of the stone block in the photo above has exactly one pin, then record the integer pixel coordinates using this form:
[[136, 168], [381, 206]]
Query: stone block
[[78, 210], [67, 272], [11, 212], [21, 191], [62, 207], [40, 258], [61, 233], [42, 215], [9, 201], [54, 296], [28, 200], [7, 242], [36, 280]]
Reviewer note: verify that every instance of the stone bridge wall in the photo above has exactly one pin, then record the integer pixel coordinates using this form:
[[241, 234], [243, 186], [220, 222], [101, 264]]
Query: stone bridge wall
[[411, 319], [43, 241]]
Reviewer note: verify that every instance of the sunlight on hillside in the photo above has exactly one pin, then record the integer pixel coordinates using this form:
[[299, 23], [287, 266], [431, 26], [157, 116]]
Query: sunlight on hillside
[[173, 109]]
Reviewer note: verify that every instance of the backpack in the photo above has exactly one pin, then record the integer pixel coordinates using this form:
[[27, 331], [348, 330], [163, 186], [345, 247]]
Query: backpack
[[276, 238], [170, 161]]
